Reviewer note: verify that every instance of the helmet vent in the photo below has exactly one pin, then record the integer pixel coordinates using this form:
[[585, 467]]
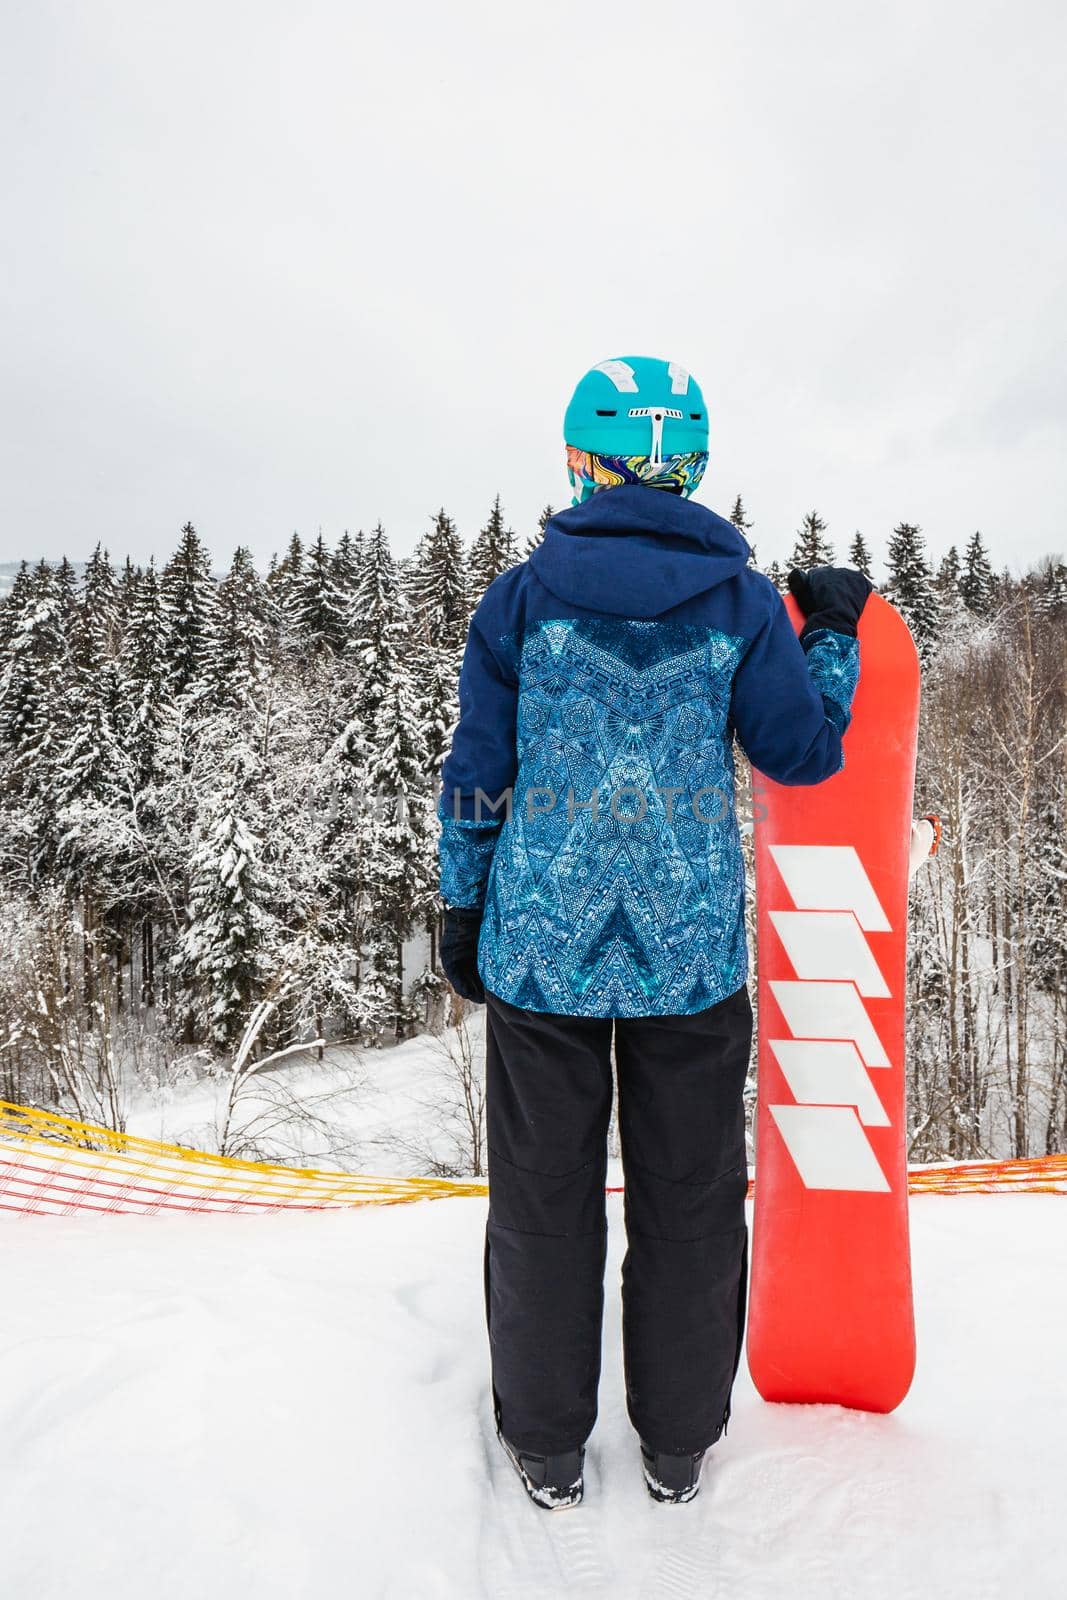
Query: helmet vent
[[606, 413], [695, 416]]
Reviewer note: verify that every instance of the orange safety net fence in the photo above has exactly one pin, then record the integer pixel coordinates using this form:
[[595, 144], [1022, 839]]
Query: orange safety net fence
[[1034, 1175], [52, 1164]]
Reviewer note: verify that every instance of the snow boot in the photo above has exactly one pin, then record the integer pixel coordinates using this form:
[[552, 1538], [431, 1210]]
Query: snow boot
[[552, 1482], [672, 1480]]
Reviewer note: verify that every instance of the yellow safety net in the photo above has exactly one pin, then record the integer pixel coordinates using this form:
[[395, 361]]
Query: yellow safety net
[[54, 1164]]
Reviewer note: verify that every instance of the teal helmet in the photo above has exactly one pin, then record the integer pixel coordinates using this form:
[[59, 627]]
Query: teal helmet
[[636, 419]]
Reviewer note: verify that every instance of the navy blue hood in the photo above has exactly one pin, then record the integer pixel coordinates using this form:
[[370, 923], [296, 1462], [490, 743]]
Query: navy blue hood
[[636, 552]]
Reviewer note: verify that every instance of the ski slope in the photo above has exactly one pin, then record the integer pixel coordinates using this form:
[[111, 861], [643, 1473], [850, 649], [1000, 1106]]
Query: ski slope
[[295, 1405]]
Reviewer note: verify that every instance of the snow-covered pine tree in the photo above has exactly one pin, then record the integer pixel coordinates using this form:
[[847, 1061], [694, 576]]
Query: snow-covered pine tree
[[437, 587], [812, 548], [34, 670], [910, 587], [401, 853], [437, 704], [88, 769], [437, 712], [494, 550], [777, 576], [379, 620], [292, 563], [346, 564], [143, 678], [338, 793], [859, 556], [189, 608], [243, 636], [88, 756], [441, 610], [738, 517], [977, 583], [11, 608], [284, 581], [33, 693], [146, 823], [1050, 586], [99, 607], [744, 524], [948, 571], [534, 539], [1046, 868], [67, 589], [128, 581], [318, 608], [947, 587], [221, 949]]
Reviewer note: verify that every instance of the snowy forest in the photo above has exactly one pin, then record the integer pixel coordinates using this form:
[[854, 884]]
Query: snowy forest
[[219, 835]]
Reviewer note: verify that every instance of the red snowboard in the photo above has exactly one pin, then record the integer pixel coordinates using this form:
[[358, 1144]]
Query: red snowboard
[[831, 1310]]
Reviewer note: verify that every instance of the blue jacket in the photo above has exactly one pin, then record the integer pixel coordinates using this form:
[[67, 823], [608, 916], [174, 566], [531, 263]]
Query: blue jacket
[[588, 798]]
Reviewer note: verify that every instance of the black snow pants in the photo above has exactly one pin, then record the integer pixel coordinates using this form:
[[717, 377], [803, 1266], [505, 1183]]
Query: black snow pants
[[682, 1129]]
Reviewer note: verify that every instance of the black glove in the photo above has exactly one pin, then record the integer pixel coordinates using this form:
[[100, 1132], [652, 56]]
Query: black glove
[[459, 951], [830, 597]]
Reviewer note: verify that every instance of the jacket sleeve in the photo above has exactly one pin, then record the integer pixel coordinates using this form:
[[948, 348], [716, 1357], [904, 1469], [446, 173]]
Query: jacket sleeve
[[792, 702], [479, 770]]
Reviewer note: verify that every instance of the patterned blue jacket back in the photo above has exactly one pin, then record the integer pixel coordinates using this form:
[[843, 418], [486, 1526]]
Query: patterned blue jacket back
[[588, 798]]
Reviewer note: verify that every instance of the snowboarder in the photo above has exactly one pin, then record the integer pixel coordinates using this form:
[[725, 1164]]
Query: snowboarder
[[593, 884]]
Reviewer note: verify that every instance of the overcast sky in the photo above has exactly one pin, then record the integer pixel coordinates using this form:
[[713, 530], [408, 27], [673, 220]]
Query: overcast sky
[[272, 266]]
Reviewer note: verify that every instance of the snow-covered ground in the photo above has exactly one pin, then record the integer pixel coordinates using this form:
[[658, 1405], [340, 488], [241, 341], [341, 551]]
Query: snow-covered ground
[[221, 1407], [396, 1110]]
